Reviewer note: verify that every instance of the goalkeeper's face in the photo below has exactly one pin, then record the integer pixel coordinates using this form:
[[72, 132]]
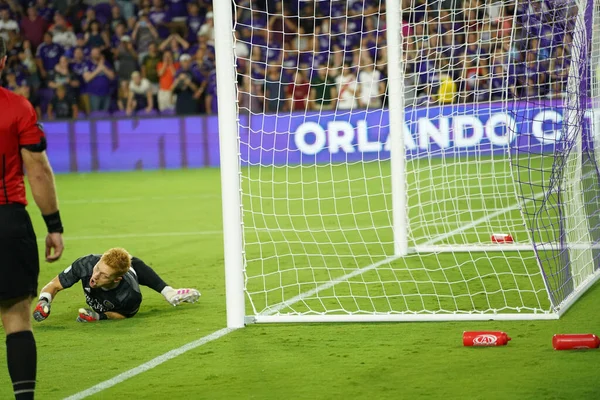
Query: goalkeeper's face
[[104, 276]]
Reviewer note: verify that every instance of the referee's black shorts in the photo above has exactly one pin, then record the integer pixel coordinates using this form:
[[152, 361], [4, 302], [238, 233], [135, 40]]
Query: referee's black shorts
[[19, 261]]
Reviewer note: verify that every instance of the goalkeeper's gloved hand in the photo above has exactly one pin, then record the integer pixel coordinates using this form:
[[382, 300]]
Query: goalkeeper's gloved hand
[[42, 310], [89, 315], [178, 296]]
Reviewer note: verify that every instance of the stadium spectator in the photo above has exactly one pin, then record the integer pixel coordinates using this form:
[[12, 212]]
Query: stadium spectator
[[497, 89], [210, 98], [176, 44], [258, 63], [116, 18], [63, 77], [143, 34], [381, 66], [187, 87], [123, 95], [126, 58], [27, 60], [98, 75], [194, 21], [559, 72], [159, 16], [11, 82], [298, 92], [44, 10], [77, 66], [13, 44], [33, 27], [95, 37], [62, 32], [7, 24], [323, 92], [118, 33], [282, 24], [90, 16], [347, 88], [47, 56], [207, 30], [149, 68], [370, 83], [62, 106], [167, 69], [177, 9], [274, 90], [250, 96], [140, 94], [447, 89], [127, 7], [242, 48], [33, 97]]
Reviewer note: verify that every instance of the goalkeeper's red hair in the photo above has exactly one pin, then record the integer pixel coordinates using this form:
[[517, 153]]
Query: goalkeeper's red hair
[[118, 260]]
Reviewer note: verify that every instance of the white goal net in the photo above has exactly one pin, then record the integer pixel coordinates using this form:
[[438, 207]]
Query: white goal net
[[399, 161]]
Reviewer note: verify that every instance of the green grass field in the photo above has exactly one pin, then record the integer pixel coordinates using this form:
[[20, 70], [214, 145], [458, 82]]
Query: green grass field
[[172, 220]]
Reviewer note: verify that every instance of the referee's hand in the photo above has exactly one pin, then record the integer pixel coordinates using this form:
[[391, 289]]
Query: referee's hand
[[54, 241]]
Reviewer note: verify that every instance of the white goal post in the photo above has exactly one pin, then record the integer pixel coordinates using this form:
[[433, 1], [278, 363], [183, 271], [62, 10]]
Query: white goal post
[[406, 160]]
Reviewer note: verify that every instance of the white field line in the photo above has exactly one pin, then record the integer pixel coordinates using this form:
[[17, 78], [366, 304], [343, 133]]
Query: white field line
[[222, 332], [150, 364], [116, 200], [137, 235]]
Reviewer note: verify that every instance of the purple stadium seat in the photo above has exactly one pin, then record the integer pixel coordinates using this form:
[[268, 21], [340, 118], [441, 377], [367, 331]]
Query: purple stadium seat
[[167, 113]]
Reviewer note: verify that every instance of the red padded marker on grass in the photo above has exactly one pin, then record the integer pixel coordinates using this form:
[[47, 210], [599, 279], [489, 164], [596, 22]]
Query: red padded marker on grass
[[485, 338], [502, 238], [575, 341]]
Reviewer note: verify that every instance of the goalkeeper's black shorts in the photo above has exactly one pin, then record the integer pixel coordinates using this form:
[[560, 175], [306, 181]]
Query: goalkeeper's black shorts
[[19, 260]]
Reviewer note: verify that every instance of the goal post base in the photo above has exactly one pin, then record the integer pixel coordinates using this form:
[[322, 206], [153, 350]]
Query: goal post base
[[581, 290], [282, 319]]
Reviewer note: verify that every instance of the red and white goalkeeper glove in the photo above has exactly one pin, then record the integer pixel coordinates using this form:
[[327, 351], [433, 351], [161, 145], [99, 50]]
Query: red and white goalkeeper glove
[[42, 309], [89, 315], [178, 296]]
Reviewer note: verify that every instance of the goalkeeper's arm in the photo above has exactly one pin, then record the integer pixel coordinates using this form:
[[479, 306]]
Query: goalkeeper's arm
[[49, 292], [89, 315]]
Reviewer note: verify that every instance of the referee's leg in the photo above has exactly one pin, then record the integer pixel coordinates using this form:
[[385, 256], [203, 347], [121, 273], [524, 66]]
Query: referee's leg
[[19, 270], [21, 352]]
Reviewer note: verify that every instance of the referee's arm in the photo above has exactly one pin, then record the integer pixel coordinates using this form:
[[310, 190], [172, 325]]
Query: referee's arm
[[41, 180]]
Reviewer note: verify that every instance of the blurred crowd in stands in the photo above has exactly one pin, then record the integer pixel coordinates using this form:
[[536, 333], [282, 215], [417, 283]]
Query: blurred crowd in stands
[[76, 58], [327, 54]]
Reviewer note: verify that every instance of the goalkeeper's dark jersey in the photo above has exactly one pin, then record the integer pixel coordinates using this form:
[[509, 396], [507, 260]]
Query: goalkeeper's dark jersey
[[125, 299]]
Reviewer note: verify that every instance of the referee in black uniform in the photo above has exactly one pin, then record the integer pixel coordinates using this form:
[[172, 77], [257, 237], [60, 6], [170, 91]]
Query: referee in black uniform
[[22, 143]]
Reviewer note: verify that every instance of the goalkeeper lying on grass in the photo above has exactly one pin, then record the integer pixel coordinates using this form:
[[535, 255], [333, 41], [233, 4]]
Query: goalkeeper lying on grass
[[111, 286]]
